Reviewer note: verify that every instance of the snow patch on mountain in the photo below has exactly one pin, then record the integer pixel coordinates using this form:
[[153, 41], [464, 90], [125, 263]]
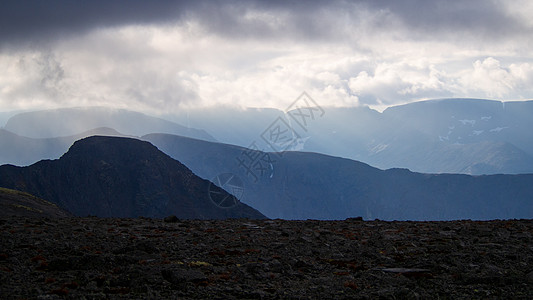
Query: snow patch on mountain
[[471, 122], [498, 129], [378, 148]]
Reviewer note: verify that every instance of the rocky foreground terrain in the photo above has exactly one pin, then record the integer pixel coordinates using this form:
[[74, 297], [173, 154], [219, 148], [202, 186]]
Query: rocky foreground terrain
[[99, 258]]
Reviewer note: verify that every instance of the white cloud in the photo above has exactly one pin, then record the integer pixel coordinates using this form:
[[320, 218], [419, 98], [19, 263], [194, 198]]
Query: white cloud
[[489, 78], [257, 55]]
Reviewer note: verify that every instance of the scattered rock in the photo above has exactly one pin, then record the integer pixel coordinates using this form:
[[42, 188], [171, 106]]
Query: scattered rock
[[405, 270], [171, 219], [199, 259], [529, 277], [179, 276]]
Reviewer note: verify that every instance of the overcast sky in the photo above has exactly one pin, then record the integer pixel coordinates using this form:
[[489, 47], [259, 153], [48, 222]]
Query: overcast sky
[[161, 56]]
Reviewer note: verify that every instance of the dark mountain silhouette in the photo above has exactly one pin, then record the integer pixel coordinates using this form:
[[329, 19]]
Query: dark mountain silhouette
[[299, 185], [72, 121], [17, 203], [22, 151], [121, 177]]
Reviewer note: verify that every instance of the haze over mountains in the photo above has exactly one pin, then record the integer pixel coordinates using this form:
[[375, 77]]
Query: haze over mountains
[[22, 151], [73, 121], [300, 185], [466, 136]]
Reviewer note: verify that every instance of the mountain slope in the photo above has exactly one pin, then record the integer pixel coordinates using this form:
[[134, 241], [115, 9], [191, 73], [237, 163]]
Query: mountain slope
[[120, 177], [486, 157], [72, 121], [300, 185], [472, 136], [16, 203]]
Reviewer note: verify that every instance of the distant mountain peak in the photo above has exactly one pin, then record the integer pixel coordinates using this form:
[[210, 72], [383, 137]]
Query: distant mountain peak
[[120, 177], [72, 121]]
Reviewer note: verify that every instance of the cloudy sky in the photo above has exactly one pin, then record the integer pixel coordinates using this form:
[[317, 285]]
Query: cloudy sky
[[162, 56]]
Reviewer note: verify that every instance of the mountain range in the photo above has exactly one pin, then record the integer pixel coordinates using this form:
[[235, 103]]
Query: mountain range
[[125, 177], [122, 177], [467, 136], [72, 121], [301, 185], [328, 171]]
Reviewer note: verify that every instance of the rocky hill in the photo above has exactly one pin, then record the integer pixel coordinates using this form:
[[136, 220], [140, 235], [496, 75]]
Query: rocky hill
[[20, 204], [121, 177]]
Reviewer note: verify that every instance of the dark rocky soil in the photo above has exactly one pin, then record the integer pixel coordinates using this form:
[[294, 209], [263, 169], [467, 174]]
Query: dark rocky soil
[[98, 258]]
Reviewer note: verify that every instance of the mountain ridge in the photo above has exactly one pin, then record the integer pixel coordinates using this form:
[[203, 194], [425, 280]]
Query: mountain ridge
[[468, 136], [51, 123], [120, 177], [301, 185], [442, 132]]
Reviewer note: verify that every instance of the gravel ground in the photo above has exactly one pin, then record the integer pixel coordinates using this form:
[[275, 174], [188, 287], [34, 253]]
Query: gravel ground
[[99, 258]]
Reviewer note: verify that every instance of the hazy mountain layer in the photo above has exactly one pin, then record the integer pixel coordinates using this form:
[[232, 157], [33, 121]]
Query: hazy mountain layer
[[469, 136], [298, 185], [463, 136], [22, 151], [72, 121], [121, 177]]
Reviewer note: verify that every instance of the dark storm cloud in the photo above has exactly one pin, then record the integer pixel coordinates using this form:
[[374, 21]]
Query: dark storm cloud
[[340, 20], [36, 20], [205, 52], [475, 16], [39, 21]]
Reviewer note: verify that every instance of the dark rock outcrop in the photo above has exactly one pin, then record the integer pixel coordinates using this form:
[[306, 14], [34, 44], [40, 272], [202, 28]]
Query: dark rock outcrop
[[120, 177]]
